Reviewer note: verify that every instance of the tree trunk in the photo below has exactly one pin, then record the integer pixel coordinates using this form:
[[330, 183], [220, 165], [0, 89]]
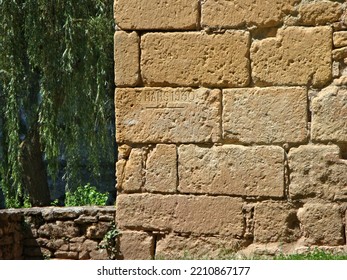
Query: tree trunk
[[34, 177]]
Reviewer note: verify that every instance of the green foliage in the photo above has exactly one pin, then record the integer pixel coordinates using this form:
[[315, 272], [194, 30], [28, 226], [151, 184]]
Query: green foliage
[[109, 241], [316, 254], [85, 195], [56, 72]]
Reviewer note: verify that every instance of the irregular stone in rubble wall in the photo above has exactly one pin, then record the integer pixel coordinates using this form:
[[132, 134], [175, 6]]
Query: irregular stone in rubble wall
[[265, 115], [329, 115], [136, 245], [322, 224], [320, 12], [340, 39], [317, 171], [195, 247], [178, 213], [231, 170], [126, 58], [157, 15], [167, 115], [275, 222], [66, 255], [161, 169], [195, 59], [296, 56], [235, 13], [339, 54], [59, 229]]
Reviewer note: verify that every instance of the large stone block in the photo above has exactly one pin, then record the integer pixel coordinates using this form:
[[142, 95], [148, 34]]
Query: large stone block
[[195, 59], [317, 171], [168, 115], [161, 169], [296, 56], [156, 15], [195, 247], [320, 12], [235, 13], [265, 115], [322, 224], [275, 222], [329, 115], [232, 170], [183, 214], [126, 58], [136, 245]]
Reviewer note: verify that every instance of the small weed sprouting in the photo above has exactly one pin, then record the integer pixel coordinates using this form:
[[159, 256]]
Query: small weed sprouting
[[109, 242]]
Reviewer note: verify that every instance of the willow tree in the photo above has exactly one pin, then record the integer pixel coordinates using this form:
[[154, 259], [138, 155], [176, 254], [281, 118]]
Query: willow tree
[[56, 87]]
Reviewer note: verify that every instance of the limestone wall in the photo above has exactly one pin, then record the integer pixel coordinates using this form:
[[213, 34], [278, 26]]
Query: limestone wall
[[56, 233], [231, 120]]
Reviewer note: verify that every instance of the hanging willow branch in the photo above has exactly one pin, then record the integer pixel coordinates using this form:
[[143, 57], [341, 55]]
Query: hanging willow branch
[[56, 75]]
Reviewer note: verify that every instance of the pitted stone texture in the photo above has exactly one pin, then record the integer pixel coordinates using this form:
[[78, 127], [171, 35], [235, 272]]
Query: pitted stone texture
[[130, 173], [320, 12], [195, 247], [265, 115], [231, 170], [339, 54], [296, 56], [127, 58], [340, 39], [195, 59], [136, 245], [235, 13], [275, 222], [161, 169], [322, 224], [156, 14], [317, 171], [329, 115], [183, 214], [168, 115]]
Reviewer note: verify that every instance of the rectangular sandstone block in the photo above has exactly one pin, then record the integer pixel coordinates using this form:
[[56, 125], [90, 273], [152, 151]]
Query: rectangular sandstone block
[[156, 15], [329, 115], [126, 58], [195, 59], [296, 56], [182, 214], [167, 115], [322, 224], [265, 115], [136, 245], [236, 13], [317, 171], [275, 222], [231, 170]]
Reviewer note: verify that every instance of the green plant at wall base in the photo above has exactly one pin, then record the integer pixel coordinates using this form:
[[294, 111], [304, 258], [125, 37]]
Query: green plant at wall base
[[85, 195], [109, 241]]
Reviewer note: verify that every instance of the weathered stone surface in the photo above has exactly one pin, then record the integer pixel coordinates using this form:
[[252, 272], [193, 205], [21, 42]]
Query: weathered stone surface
[[317, 171], [156, 15], [167, 115], [130, 174], [136, 245], [340, 53], [232, 170], [322, 224], [235, 13], [274, 222], [195, 247], [98, 254], [58, 230], [296, 56], [97, 231], [126, 58], [185, 214], [340, 39], [161, 169], [66, 255], [320, 12], [265, 115], [195, 59], [329, 115]]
